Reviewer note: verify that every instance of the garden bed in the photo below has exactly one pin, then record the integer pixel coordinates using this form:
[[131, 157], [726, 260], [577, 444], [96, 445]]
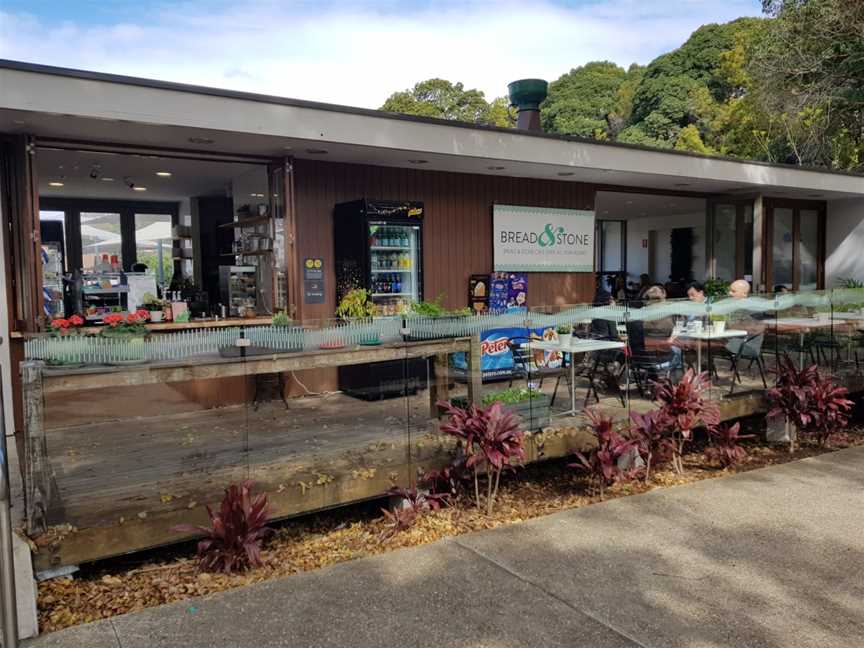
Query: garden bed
[[120, 586]]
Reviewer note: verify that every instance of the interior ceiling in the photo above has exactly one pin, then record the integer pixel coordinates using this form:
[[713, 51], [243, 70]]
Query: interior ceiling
[[47, 126], [620, 205], [89, 174]]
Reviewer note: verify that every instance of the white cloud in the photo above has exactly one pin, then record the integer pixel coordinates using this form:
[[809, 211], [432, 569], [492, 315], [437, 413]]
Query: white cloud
[[359, 53]]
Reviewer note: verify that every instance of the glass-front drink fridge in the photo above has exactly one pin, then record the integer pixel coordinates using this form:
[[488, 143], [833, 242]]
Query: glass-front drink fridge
[[379, 247]]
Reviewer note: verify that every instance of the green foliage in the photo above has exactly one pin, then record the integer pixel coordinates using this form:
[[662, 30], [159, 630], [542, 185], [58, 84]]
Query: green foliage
[[511, 396], [581, 101], [281, 319], [435, 308], [690, 140], [443, 99], [356, 304], [716, 288]]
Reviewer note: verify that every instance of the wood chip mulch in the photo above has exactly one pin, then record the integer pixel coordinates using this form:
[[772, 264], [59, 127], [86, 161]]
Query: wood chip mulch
[[334, 537]]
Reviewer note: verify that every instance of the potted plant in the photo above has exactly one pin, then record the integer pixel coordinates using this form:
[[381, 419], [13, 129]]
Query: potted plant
[[715, 288], [435, 310], [718, 323], [66, 342], [131, 330], [354, 306], [565, 334], [154, 306]]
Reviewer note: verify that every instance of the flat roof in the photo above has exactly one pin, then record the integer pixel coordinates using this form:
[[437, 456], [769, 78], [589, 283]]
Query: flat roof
[[53, 102]]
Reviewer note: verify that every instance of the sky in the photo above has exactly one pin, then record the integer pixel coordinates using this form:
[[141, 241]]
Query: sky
[[355, 53]]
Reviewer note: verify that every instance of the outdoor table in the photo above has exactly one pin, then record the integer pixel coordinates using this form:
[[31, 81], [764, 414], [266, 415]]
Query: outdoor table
[[576, 346], [709, 335], [802, 325]]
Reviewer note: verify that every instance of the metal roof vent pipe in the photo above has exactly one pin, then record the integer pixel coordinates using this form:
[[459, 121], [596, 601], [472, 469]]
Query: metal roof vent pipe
[[527, 95]]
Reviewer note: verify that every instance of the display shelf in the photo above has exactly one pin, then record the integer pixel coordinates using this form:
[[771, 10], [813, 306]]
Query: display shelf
[[395, 248], [399, 294], [106, 291], [255, 253], [246, 222]]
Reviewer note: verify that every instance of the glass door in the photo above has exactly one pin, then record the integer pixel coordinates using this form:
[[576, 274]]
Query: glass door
[[731, 240], [394, 259], [795, 250]]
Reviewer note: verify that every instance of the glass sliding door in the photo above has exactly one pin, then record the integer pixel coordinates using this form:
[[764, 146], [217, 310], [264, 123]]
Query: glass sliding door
[[731, 239], [795, 245]]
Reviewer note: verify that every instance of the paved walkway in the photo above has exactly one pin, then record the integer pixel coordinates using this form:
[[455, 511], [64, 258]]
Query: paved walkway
[[773, 557]]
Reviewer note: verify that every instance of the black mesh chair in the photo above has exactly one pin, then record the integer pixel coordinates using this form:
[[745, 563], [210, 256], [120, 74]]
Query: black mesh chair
[[749, 348], [648, 365], [523, 369]]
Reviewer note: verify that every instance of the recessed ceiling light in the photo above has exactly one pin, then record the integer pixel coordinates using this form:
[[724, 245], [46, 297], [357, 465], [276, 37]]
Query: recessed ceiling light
[[163, 174], [605, 211], [137, 188], [495, 168], [288, 148], [55, 184], [200, 140], [314, 151], [629, 202], [418, 161], [564, 174], [106, 179]]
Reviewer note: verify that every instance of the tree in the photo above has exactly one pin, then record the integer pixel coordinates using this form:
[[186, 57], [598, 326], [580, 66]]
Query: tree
[[584, 101], [446, 100], [808, 69]]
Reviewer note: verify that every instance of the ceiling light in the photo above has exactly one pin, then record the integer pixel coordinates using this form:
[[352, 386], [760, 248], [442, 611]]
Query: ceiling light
[[200, 140], [163, 174], [288, 148], [418, 161], [629, 202], [55, 184], [137, 188], [495, 168], [314, 151], [106, 179], [564, 174]]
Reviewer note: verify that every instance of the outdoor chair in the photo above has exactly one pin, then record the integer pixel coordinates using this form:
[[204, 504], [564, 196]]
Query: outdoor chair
[[604, 368], [750, 348], [523, 369], [647, 366]]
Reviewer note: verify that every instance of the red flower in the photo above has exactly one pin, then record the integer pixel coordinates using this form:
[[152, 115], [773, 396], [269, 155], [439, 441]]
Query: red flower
[[59, 324], [112, 320], [76, 320], [142, 313], [132, 318]]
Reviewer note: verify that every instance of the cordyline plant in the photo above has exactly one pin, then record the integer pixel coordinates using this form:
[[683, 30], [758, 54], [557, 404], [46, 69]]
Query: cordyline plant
[[412, 504], [492, 441], [828, 410], [684, 407], [232, 542], [809, 401], [651, 433], [602, 462], [725, 445]]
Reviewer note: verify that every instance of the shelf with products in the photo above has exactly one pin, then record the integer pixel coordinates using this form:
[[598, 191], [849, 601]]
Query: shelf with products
[[252, 253], [246, 222]]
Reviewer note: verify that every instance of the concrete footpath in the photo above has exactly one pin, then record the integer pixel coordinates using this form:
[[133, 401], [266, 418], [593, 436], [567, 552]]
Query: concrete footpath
[[774, 557]]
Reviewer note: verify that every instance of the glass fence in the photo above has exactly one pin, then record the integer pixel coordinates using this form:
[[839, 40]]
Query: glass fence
[[139, 434]]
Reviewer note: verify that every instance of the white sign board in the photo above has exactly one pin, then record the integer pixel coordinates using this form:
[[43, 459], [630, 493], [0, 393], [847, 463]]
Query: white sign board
[[541, 239]]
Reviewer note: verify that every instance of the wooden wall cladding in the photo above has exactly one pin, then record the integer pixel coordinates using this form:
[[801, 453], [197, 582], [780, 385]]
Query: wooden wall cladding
[[457, 227]]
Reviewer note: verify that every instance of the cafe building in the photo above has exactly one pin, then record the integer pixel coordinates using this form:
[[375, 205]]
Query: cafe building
[[228, 208]]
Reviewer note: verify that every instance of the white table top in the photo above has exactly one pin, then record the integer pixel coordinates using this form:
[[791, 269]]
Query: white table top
[[803, 322], [578, 345], [705, 334]]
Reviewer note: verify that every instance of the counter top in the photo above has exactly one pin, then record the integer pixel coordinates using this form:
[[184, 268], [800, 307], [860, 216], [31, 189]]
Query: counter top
[[170, 327]]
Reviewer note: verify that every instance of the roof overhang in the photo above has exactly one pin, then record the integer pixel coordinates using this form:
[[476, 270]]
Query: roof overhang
[[73, 105]]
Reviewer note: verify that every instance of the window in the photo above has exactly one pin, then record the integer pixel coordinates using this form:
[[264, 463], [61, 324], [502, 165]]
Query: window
[[610, 249], [153, 243], [101, 240]]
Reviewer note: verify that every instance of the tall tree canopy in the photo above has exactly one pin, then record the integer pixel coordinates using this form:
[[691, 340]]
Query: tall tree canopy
[[446, 100], [785, 88]]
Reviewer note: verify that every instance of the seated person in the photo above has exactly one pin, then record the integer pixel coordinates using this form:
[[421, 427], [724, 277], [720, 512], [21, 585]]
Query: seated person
[[605, 329], [661, 329]]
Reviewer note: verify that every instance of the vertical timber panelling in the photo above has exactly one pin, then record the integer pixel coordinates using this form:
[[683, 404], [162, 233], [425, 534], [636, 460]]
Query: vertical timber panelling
[[457, 224]]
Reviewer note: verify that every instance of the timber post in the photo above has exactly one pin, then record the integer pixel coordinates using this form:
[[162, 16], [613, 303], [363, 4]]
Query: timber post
[[38, 480], [475, 370]]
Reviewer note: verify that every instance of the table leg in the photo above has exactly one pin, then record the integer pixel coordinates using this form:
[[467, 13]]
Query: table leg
[[800, 349], [440, 387], [572, 385]]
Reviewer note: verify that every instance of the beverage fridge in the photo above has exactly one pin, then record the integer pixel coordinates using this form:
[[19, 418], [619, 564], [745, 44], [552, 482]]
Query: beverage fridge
[[379, 247]]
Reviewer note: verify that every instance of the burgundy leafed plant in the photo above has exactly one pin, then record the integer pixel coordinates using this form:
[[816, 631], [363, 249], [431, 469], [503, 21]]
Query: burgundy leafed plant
[[413, 504], [651, 433], [791, 395], [232, 542], [602, 462], [725, 445], [684, 407], [828, 410], [492, 441]]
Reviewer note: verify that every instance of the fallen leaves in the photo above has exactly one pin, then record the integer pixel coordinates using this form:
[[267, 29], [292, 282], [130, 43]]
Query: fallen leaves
[[338, 536]]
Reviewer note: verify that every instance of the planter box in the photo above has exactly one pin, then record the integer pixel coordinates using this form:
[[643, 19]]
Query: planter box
[[534, 413]]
